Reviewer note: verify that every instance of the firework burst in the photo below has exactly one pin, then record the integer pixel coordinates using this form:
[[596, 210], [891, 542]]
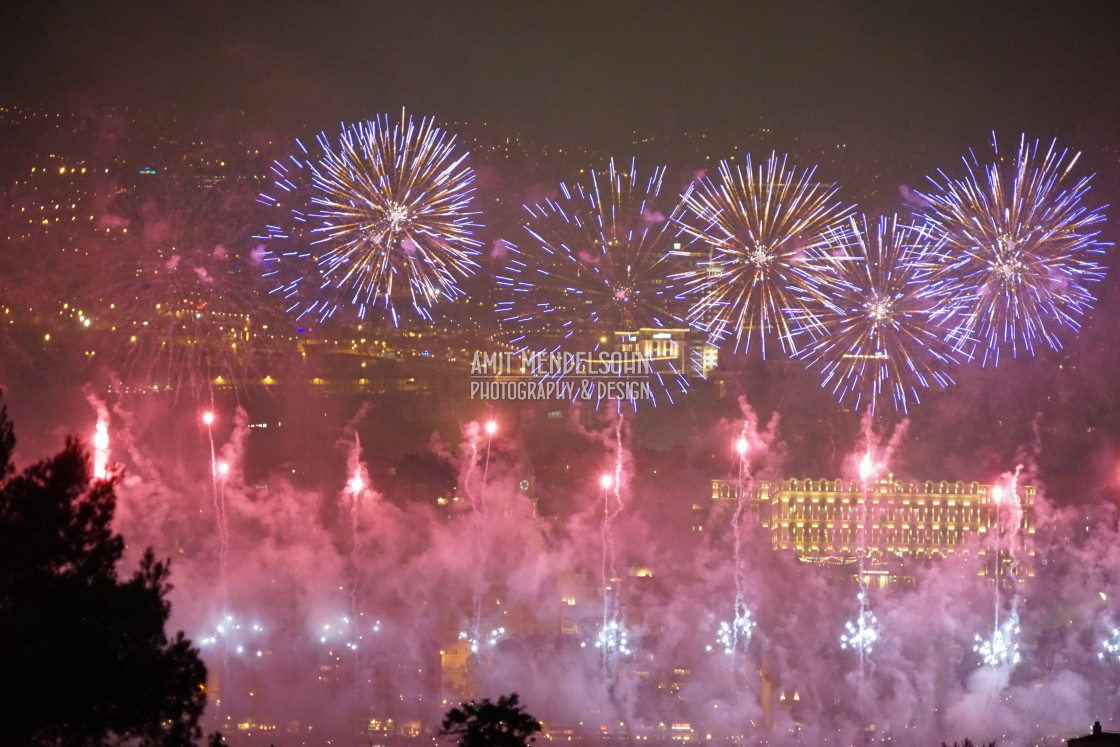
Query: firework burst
[[1023, 244], [596, 262], [178, 304], [378, 220], [749, 228], [878, 324], [595, 273]]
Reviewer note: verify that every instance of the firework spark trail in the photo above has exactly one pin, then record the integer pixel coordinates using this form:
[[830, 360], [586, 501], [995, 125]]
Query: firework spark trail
[[613, 637], [596, 265], [484, 548], [749, 229], [734, 636], [1002, 647], [388, 204], [877, 314], [752, 447], [1023, 244], [478, 505], [219, 498], [355, 487], [997, 500], [607, 571], [862, 633], [217, 471], [740, 604]]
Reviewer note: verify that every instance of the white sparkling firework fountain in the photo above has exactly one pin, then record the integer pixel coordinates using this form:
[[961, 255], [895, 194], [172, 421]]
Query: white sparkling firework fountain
[[489, 641], [241, 639], [1110, 647], [349, 632], [218, 472], [613, 639], [863, 631], [731, 637], [1002, 647]]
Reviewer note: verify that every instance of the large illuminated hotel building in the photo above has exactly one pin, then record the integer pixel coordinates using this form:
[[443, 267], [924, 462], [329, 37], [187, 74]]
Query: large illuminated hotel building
[[890, 523]]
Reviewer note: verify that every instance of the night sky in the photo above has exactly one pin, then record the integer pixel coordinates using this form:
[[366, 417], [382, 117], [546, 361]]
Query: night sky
[[589, 71]]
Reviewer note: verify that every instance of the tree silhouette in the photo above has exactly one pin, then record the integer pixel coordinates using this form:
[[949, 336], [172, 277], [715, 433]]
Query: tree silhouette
[[487, 724], [84, 659]]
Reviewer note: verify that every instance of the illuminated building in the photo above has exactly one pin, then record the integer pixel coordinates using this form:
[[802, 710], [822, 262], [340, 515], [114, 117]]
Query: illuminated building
[[678, 350], [837, 522]]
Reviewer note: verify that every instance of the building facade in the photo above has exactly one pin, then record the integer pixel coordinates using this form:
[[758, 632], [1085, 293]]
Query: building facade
[[887, 522]]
